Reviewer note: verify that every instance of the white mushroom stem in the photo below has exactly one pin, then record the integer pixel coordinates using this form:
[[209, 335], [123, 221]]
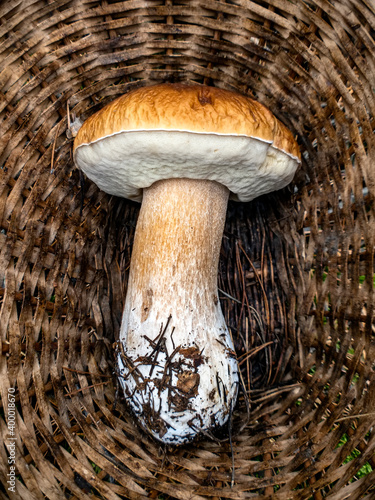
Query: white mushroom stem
[[177, 363]]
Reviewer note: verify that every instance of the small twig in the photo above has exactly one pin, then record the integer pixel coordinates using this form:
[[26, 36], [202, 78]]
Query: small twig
[[275, 392], [262, 391], [54, 147], [256, 314], [68, 113], [229, 296], [159, 345], [355, 416], [84, 373], [248, 371], [84, 388], [157, 340], [230, 422], [251, 353], [130, 366], [247, 403], [260, 283]]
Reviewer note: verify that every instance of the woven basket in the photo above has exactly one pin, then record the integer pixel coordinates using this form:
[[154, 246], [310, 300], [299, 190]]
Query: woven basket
[[296, 269]]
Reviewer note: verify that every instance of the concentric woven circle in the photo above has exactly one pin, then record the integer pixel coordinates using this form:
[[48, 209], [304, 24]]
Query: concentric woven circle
[[296, 269]]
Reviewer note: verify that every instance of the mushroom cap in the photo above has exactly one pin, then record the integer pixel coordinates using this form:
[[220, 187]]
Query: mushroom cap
[[186, 131]]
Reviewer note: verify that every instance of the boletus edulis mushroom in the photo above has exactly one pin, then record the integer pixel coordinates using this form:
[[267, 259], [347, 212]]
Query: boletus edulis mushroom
[[183, 150]]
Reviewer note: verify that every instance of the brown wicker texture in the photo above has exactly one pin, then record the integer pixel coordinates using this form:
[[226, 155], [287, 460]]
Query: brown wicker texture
[[296, 268]]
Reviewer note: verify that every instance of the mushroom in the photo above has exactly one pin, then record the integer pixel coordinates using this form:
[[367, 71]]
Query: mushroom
[[181, 149]]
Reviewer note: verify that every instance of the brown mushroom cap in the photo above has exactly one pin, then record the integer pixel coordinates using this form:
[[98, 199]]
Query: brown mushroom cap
[[194, 108], [193, 131]]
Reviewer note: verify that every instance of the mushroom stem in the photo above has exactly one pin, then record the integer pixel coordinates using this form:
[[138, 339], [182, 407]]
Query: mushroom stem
[[177, 365]]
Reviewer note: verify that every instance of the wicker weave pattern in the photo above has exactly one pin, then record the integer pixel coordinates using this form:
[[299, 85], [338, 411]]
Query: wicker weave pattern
[[296, 269]]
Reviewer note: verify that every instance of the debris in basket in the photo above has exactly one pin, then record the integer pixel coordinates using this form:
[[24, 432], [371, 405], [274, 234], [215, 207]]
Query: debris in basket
[[73, 126], [182, 150]]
